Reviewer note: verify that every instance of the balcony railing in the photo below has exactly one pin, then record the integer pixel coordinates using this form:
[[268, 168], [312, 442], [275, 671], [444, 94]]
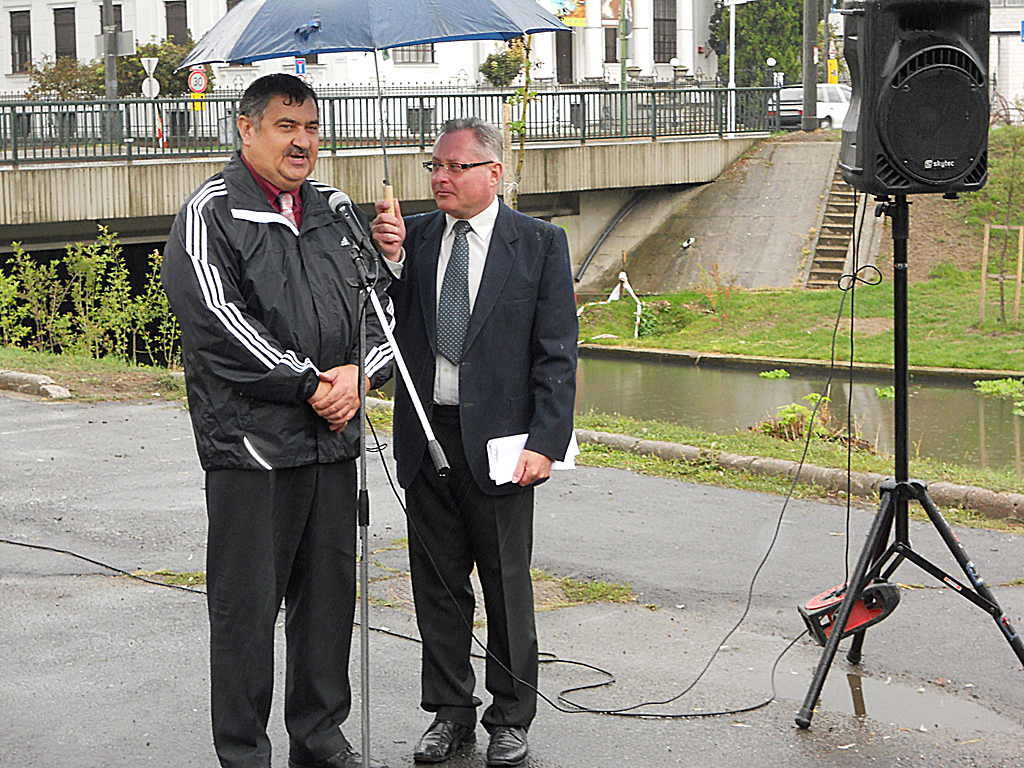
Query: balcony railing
[[38, 131]]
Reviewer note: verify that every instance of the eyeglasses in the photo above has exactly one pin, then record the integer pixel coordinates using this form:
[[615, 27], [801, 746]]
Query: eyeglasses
[[454, 169]]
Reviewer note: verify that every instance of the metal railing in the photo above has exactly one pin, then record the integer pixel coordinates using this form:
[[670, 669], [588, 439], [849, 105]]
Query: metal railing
[[37, 131]]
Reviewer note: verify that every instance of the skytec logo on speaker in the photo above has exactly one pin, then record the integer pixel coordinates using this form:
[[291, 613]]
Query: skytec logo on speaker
[[932, 164]]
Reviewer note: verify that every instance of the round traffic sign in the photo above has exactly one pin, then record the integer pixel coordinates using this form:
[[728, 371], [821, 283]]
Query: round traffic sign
[[196, 81], [150, 87]]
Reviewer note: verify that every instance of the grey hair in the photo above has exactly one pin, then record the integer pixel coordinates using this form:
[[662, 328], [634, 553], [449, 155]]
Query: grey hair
[[488, 135]]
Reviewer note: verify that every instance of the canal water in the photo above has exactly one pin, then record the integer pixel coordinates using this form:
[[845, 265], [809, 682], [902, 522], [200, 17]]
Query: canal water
[[949, 421]]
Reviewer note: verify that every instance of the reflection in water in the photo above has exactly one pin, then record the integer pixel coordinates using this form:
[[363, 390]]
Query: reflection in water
[[857, 694], [948, 421], [890, 702]]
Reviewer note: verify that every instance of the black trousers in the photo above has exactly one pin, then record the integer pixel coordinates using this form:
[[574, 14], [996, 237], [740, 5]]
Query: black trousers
[[453, 525], [284, 534]]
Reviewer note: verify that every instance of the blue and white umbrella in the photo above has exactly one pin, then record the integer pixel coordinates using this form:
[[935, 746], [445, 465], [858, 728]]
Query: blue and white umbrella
[[269, 29]]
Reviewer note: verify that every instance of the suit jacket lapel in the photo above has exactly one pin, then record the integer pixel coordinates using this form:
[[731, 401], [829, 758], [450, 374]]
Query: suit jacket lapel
[[428, 248], [500, 256]]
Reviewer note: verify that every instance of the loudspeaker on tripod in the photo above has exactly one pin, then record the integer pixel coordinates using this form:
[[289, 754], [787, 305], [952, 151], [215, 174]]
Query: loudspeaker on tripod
[[919, 112]]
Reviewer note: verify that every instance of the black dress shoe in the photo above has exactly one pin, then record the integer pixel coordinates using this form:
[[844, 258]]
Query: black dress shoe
[[508, 746], [347, 758], [442, 740]]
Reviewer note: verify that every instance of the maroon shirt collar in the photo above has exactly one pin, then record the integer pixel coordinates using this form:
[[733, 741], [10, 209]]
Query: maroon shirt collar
[[272, 192]]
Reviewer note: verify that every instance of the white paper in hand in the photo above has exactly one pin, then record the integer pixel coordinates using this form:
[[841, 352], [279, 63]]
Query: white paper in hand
[[503, 455]]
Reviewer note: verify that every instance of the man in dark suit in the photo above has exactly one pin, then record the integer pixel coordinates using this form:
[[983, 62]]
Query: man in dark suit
[[486, 319]]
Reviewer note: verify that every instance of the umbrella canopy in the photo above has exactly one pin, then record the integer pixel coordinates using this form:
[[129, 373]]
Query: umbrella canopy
[[268, 29]]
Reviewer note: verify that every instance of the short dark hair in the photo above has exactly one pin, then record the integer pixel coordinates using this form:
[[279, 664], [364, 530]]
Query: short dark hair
[[488, 135], [259, 93]]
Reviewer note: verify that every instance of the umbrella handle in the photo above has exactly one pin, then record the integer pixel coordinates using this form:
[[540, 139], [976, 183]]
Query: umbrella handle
[[389, 198]]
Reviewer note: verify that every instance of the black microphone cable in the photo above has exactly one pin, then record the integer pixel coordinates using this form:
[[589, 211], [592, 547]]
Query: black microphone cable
[[846, 285], [564, 704]]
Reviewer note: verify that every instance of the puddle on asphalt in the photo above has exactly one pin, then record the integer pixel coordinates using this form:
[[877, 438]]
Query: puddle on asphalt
[[896, 704]]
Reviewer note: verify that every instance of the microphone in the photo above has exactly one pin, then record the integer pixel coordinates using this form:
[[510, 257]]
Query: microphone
[[341, 204]]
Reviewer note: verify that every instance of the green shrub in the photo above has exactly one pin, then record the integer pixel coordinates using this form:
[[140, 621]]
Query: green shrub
[[501, 67], [82, 303]]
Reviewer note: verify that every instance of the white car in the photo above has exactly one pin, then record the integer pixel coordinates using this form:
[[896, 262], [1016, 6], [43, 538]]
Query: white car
[[832, 105]]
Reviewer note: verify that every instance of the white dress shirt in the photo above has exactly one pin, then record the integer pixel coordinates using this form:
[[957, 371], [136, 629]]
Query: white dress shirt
[[446, 375]]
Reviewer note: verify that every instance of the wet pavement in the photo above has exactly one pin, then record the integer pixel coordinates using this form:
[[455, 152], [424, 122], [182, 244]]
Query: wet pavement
[[102, 670]]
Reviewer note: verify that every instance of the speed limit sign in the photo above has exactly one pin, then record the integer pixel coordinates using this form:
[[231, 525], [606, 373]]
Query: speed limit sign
[[197, 81]]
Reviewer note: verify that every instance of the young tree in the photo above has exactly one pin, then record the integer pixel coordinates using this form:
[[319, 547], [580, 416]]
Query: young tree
[[65, 79], [130, 72], [68, 79], [764, 28], [1001, 201]]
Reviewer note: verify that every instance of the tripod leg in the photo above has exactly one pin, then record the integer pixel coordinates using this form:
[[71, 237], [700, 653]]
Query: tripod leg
[[960, 555], [879, 528], [854, 655]]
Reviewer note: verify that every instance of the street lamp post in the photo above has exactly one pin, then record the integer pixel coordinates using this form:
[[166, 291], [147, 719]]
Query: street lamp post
[[109, 50], [732, 66], [809, 122]]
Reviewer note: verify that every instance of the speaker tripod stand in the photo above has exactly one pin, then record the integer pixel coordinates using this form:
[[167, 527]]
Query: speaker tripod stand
[[879, 559]]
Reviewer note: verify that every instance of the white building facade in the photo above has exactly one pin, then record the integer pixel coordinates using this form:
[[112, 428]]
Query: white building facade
[[668, 39], [1006, 52]]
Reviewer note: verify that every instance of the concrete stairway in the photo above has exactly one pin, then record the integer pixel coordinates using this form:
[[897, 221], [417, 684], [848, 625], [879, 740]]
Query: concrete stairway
[[834, 236]]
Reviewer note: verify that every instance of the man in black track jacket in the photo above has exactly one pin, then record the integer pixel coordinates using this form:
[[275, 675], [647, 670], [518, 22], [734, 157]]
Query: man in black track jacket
[[263, 281]]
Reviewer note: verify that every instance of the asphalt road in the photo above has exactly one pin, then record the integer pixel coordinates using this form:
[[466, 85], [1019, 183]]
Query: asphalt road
[[101, 670]]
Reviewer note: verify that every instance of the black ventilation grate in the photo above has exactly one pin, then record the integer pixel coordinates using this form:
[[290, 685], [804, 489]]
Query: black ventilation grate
[[888, 175], [940, 56], [978, 172]]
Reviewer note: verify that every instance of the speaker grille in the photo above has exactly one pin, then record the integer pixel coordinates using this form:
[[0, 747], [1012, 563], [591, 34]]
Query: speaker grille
[[934, 117], [939, 57]]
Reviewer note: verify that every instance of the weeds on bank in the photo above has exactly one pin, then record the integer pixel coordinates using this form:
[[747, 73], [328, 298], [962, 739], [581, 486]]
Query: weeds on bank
[[1009, 389], [82, 303], [792, 422]]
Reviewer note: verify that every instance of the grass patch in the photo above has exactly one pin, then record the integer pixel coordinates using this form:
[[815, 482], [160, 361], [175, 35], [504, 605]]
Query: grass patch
[[182, 579], [91, 380], [797, 323], [562, 593], [578, 592]]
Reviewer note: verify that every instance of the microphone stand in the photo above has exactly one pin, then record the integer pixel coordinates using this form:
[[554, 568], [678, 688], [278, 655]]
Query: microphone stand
[[367, 254]]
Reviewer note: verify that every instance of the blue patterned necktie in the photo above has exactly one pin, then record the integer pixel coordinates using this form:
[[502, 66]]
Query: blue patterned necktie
[[453, 306]]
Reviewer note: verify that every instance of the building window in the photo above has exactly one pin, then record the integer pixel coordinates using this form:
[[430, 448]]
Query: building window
[[177, 21], [664, 31], [611, 44], [414, 54], [117, 19], [21, 41], [64, 30]]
